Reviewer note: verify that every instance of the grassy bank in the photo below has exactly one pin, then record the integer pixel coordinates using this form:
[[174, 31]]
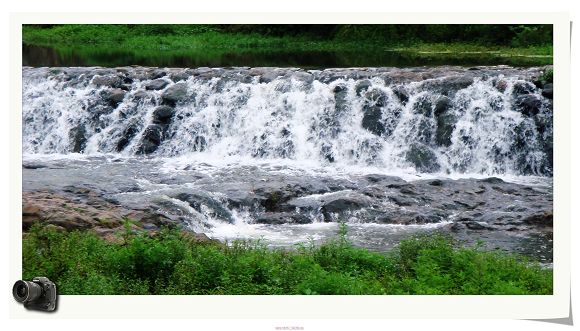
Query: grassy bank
[[173, 263], [206, 42]]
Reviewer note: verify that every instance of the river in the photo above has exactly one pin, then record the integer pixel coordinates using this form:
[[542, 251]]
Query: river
[[286, 154]]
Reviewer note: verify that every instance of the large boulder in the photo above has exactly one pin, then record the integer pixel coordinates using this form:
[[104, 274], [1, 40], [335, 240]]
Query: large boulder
[[157, 84], [523, 88], [528, 104], [163, 114], [445, 121], [448, 85], [107, 80], [151, 139], [175, 94], [372, 112]]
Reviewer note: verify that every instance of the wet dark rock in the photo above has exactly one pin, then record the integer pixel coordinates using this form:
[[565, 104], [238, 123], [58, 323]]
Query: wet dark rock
[[361, 86], [115, 96], [446, 121], [402, 200], [140, 95], [423, 106], [340, 204], [157, 84], [401, 93], [163, 114], [152, 137], [128, 134], [200, 200], [108, 80], [372, 119], [548, 91], [175, 94], [492, 180], [436, 182], [33, 166], [543, 220], [528, 105], [523, 88], [78, 138], [282, 218], [448, 85], [501, 85], [422, 158]]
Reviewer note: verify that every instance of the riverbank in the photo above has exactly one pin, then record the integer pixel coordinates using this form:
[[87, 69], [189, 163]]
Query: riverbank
[[117, 45], [174, 262]]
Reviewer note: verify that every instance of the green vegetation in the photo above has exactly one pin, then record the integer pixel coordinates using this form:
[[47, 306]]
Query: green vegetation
[[547, 77], [207, 44], [171, 263]]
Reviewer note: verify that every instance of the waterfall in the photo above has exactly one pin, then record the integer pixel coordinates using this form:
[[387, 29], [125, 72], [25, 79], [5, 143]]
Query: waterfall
[[448, 120]]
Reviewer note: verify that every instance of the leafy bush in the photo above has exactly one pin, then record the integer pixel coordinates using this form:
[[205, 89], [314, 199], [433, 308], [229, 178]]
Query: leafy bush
[[169, 263]]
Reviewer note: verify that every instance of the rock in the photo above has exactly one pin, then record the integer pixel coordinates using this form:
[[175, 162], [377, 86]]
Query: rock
[[442, 105], [175, 94], [128, 134], [373, 119], [401, 93], [528, 104], [140, 95], [345, 203], [197, 238], [107, 80], [436, 182], [282, 218], [447, 85], [423, 106], [157, 84], [163, 114], [548, 91], [78, 140], [151, 139], [445, 121], [522, 88], [362, 86], [422, 158], [543, 220], [492, 180], [203, 203], [501, 85], [116, 96], [27, 165]]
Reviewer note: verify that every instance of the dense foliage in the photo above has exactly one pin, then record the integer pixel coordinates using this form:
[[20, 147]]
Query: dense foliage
[[172, 263], [391, 34]]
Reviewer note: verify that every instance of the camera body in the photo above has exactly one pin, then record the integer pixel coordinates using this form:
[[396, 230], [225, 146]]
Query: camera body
[[38, 294]]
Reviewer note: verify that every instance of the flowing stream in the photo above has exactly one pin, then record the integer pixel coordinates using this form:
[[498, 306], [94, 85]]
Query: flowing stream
[[285, 154]]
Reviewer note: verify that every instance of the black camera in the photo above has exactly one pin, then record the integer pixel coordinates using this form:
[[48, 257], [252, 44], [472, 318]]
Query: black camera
[[39, 294]]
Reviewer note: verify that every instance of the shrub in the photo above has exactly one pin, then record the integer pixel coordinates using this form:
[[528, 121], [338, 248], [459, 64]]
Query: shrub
[[168, 263]]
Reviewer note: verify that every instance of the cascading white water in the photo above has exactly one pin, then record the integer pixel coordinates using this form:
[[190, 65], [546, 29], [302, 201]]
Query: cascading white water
[[430, 125]]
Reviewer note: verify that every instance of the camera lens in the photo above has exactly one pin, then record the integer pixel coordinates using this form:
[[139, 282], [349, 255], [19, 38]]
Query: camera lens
[[24, 291]]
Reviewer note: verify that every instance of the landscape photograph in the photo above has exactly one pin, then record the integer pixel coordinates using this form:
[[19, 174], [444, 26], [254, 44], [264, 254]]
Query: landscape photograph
[[288, 159]]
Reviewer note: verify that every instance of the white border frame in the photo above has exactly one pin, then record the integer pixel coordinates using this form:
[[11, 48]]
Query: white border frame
[[313, 307]]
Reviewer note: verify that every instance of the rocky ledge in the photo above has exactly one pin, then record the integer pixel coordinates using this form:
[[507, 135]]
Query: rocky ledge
[[84, 209]]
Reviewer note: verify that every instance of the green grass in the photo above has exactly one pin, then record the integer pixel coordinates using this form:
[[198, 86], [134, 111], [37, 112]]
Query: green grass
[[170, 263], [156, 43]]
